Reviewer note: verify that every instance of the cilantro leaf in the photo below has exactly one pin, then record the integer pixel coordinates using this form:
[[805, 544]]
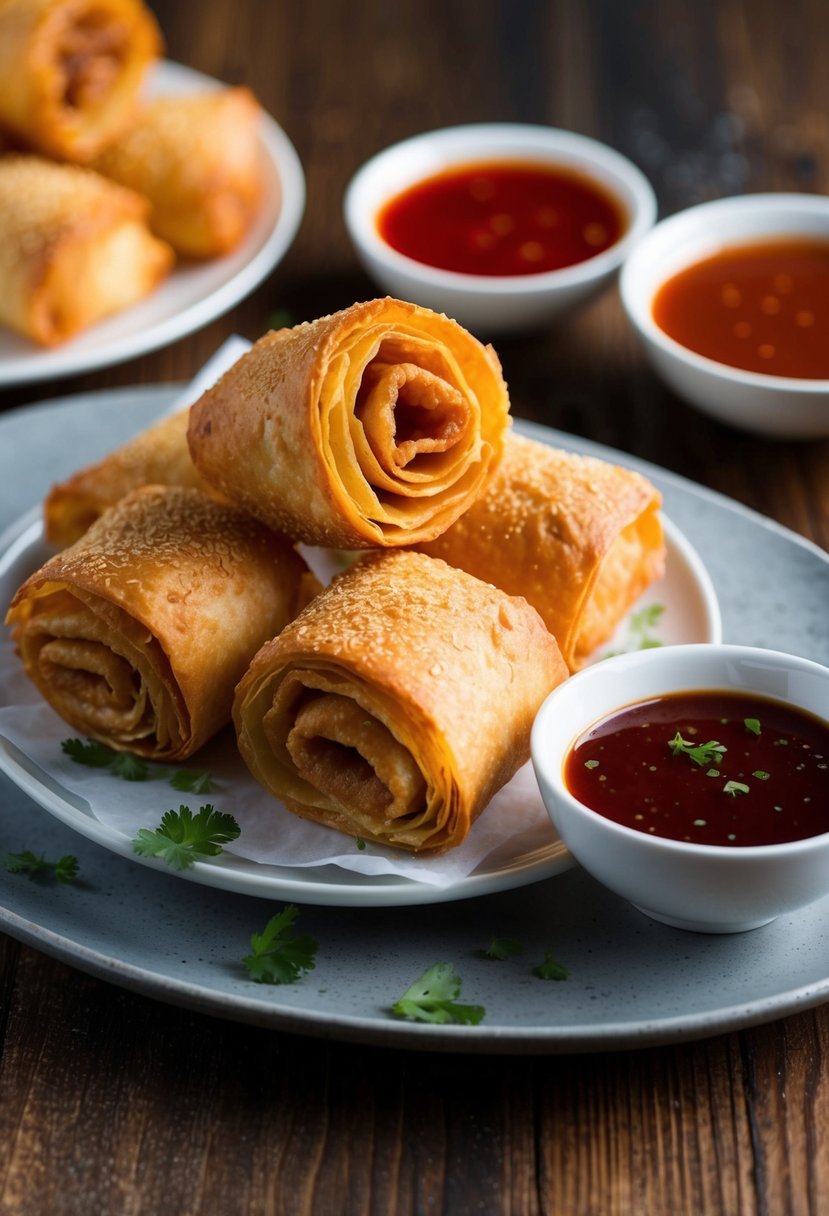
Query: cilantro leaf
[[65, 869], [639, 634], [280, 957], [183, 837], [503, 947], [431, 998], [132, 768], [193, 783], [549, 969], [701, 753], [92, 754], [752, 725], [734, 788]]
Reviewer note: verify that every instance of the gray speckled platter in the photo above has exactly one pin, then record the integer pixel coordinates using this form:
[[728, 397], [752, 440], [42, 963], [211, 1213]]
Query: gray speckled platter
[[632, 982]]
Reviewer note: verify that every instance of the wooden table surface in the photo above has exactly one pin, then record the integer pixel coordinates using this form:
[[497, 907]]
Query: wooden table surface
[[116, 1103]]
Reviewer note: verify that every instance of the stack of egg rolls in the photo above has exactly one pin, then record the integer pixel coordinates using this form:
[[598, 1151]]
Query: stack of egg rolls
[[395, 703]]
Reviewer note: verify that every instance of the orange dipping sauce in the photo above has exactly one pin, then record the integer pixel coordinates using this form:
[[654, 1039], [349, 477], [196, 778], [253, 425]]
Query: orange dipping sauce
[[761, 307], [502, 218]]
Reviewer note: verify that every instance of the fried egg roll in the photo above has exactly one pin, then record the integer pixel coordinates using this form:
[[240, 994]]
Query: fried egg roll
[[157, 456], [398, 702], [137, 634], [74, 248], [372, 428], [578, 537], [71, 71], [197, 159]]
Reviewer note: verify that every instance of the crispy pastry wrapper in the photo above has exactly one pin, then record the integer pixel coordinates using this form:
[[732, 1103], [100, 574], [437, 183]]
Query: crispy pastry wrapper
[[157, 456], [137, 634], [197, 158], [74, 248], [398, 703], [580, 538], [372, 428], [71, 71]]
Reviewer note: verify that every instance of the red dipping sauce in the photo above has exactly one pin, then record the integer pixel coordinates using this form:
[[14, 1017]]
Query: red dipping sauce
[[502, 218], [710, 767], [762, 307]]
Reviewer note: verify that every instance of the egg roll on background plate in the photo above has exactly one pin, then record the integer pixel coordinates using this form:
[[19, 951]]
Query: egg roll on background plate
[[156, 456], [374, 427], [74, 248], [71, 71], [197, 159], [398, 702], [137, 634], [580, 538]]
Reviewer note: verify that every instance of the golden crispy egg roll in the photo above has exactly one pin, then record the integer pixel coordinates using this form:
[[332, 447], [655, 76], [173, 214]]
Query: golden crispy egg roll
[[71, 71], [156, 456], [74, 248], [397, 704], [137, 634], [578, 537], [197, 159], [375, 427]]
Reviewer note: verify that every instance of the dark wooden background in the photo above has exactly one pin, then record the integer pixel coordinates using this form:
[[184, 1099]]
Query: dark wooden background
[[112, 1103]]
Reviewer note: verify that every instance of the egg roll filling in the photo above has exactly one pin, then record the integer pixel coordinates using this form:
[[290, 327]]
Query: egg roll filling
[[89, 53], [412, 432], [342, 751], [106, 674]]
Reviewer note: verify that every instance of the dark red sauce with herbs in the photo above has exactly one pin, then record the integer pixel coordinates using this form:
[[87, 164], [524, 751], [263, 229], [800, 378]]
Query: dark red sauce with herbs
[[763, 307], [503, 218], [711, 767]]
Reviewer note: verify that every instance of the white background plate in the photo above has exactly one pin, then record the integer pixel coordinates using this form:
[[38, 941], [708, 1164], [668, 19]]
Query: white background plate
[[195, 293], [525, 850], [632, 982]]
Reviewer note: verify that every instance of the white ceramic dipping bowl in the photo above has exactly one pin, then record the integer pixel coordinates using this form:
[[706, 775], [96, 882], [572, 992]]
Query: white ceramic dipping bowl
[[484, 303], [707, 888], [779, 406]]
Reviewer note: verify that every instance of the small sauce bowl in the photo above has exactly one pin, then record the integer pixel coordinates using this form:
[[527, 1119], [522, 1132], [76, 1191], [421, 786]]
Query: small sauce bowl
[[493, 303], [702, 887], [782, 406]]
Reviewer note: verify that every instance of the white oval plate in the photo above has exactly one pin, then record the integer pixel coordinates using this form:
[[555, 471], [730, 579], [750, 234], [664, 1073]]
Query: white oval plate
[[521, 846], [195, 293]]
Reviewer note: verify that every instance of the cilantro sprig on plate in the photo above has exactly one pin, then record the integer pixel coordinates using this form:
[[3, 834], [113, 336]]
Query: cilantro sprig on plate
[[182, 837], [279, 956], [431, 998], [65, 869], [92, 754]]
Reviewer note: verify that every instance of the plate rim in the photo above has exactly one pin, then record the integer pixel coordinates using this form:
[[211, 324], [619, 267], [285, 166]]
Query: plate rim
[[51, 363], [382, 1031]]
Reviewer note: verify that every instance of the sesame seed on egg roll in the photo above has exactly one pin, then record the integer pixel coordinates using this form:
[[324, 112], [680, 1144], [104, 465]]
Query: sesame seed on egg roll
[[398, 702], [372, 428], [137, 634]]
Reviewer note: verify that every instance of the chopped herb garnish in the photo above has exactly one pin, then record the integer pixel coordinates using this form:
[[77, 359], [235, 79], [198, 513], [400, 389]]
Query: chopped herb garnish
[[752, 725], [639, 635], [549, 969], [713, 772], [503, 947], [360, 843], [280, 956], [65, 869], [591, 764], [183, 837], [700, 753], [133, 768], [761, 775], [734, 788], [431, 998]]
